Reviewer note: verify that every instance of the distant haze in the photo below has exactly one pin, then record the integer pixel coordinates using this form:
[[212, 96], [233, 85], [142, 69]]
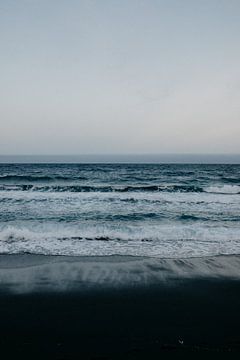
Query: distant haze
[[119, 77], [140, 158]]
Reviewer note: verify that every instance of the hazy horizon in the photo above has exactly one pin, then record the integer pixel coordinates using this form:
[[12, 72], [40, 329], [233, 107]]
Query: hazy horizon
[[125, 158], [113, 77]]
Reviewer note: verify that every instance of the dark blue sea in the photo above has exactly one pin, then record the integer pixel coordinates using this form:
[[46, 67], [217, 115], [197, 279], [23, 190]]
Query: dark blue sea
[[157, 210]]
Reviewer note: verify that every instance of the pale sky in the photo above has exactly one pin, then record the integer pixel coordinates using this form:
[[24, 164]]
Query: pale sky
[[111, 76]]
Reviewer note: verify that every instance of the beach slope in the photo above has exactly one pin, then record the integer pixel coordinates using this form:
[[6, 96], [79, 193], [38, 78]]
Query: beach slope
[[118, 307]]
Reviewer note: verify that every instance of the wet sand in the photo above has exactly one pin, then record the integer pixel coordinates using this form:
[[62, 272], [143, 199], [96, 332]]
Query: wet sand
[[118, 307]]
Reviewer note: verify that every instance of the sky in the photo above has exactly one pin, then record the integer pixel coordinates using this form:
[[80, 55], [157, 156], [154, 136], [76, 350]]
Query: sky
[[119, 77]]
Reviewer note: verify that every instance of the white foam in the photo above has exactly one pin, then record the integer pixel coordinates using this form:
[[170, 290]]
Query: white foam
[[166, 241], [216, 230], [24, 274], [223, 189]]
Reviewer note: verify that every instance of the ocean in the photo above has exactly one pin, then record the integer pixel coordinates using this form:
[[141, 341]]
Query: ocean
[[153, 210]]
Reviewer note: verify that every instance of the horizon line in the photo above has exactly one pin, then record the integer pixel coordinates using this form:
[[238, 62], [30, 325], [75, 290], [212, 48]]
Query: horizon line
[[162, 158]]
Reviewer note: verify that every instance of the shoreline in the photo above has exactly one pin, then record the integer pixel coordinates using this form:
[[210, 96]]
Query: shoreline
[[118, 308], [37, 273]]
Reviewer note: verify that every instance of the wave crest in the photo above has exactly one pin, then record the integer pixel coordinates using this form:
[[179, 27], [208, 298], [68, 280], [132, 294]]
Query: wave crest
[[223, 189]]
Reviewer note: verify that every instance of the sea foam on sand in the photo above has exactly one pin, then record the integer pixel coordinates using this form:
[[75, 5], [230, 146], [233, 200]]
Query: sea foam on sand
[[35, 273]]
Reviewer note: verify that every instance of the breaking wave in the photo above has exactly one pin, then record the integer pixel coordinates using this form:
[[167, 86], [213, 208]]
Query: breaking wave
[[144, 210], [183, 242], [223, 189], [217, 189]]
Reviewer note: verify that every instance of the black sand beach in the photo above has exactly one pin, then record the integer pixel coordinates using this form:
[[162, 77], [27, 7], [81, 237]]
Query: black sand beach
[[118, 308]]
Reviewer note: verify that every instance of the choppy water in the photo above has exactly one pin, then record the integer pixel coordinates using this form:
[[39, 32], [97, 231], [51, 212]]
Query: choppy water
[[104, 209]]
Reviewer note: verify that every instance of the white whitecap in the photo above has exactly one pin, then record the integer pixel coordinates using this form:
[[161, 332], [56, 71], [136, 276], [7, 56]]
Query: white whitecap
[[223, 189]]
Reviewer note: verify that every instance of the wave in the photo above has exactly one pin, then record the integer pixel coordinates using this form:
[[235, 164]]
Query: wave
[[170, 241], [223, 189], [188, 217], [104, 188], [231, 180], [37, 178], [214, 189]]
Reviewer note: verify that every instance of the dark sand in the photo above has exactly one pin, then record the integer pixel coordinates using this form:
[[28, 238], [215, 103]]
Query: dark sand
[[118, 307]]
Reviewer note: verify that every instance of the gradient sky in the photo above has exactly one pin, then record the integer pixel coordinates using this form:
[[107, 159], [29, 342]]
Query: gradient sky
[[110, 76]]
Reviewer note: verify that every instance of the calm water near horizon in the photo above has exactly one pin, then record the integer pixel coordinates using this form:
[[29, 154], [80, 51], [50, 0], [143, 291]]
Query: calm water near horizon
[[160, 210], [127, 158]]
